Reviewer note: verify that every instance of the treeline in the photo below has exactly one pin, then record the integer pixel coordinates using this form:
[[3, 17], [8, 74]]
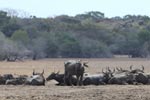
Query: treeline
[[87, 35]]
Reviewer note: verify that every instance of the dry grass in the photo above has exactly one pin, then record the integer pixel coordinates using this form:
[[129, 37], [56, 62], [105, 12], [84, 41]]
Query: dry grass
[[50, 65]]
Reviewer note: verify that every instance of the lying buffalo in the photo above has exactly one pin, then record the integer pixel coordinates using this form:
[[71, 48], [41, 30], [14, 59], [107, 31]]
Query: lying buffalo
[[19, 80], [122, 79], [137, 70], [36, 79], [60, 79], [4, 78], [132, 76], [141, 77], [88, 79], [94, 79]]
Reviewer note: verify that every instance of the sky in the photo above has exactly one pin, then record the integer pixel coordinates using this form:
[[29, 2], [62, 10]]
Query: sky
[[52, 8]]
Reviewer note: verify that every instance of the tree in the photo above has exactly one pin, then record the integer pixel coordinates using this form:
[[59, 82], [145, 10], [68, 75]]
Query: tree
[[4, 19], [95, 15], [93, 48], [144, 36], [21, 37], [2, 43], [69, 45], [10, 28], [37, 47], [144, 39], [70, 48], [8, 49]]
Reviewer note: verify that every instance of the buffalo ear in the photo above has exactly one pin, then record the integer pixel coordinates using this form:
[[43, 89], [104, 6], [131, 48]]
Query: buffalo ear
[[114, 70], [103, 71], [42, 72], [79, 60], [121, 69], [33, 73], [142, 68], [58, 72], [109, 69], [85, 64], [117, 69], [131, 67]]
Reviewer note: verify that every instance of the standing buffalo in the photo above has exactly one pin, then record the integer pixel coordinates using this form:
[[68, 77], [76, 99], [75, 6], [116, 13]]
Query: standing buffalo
[[73, 67]]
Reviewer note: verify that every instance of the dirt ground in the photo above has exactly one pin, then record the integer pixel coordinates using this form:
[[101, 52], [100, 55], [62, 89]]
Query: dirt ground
[[52, 92]]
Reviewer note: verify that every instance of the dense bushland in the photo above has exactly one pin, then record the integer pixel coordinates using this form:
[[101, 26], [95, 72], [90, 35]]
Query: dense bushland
[[87, 35]]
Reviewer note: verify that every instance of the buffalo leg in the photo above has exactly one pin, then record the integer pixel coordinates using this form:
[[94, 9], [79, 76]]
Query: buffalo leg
[[78, 82], [65, 77], [70, 80], [81, 80]]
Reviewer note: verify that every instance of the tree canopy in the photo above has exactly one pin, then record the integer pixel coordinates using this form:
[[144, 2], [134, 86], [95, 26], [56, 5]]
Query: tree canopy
[[86, 35]]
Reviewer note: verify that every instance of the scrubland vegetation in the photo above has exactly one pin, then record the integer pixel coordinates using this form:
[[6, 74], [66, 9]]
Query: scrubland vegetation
[[87, 35]]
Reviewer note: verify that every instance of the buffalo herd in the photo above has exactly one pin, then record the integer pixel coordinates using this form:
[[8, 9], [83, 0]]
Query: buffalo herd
[[74, 75]]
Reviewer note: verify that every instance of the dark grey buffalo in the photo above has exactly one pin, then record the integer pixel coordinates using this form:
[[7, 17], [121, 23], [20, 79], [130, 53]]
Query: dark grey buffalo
[[19, 80], [94, 79], [107, 75], [36, 79], [4, 78], [132, 76], [141, 77], [120, 76], [122, 79], [137, 70], [60, 79], [74, 67]]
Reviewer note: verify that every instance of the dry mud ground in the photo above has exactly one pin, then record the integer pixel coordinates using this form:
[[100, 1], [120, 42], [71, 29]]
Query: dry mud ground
[[52, 92]]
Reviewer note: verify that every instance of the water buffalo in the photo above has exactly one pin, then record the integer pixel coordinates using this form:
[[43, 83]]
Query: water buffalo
[[19, 80], [141, 77], [74, 67], [107, 75], [132, 76], [60, 79], [121, 76], [36, 79], [136, 70], [5, 77], [94, 79], [122, 79]]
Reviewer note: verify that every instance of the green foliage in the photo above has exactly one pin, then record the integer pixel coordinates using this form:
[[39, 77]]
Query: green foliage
[[95, 15], [144, 36], [4, 19], [94, 49], [8, 48], [10, 28], [2, 41], [38, 47], [144, 39], [89, 34], [51, 49], [51, 44], [21, 37], [68, 45]]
